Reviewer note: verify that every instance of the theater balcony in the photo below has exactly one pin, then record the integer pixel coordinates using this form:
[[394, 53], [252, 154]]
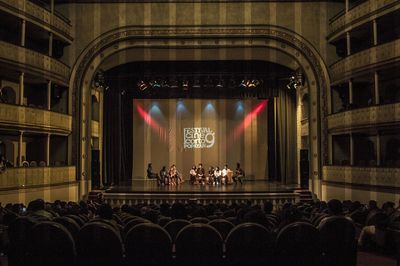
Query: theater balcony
[[364, 61], [358, 12], [28, 61], [30, 177], [34, 119], [42, 14], [379, 115], [361, 183]]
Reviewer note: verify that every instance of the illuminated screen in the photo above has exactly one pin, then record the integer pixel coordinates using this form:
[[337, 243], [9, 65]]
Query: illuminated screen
[[185, 132]]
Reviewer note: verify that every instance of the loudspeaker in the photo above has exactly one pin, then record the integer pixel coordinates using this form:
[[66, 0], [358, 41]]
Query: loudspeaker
[[304, 168], [95, 168]]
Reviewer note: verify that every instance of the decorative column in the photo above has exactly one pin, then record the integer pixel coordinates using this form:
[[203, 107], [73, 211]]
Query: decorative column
[[23, 32], [50, 44], [375, 31], [378, 149], [48, 150], [21, 88], [376, 87], [351, 149], [21, 133], [347, 3], [348, 43], [350, 91], [49, 95]]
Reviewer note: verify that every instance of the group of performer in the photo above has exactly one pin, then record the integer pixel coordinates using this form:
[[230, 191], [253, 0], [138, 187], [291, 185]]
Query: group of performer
[[197, 175]]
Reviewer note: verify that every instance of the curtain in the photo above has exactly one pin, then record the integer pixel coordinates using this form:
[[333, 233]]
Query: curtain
[[117, 136], [285, 138]]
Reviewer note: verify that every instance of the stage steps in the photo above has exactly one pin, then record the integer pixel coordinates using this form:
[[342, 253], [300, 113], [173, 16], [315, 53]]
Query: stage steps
[[305, 195]]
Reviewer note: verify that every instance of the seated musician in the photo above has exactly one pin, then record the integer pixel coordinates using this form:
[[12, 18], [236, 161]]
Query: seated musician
[[193, 175], [239, 174], [217, 175], [163, 176], [150, 173], [200, 174], [210, 176], [224, 175], [172, 175]]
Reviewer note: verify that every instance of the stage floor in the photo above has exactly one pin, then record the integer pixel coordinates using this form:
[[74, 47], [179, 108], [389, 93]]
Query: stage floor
[[150, 186], [137, 191]]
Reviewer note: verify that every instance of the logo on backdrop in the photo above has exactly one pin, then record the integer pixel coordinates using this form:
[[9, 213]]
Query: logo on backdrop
[[198, 137]]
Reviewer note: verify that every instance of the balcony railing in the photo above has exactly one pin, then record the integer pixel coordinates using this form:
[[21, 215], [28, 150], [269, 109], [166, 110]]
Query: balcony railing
[[356, 14], [362, 61], [15, 178], [22, 117], [34, 62], [28, 10], [364, 117], [373, 176]]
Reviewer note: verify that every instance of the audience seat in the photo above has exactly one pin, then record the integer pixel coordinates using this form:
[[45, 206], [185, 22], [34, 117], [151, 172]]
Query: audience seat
[[131, 224], [18, 231], [223, 226], [299, 244], [163, 221], [249, 244], [72, 226], [338, 241], [99, 244], [148, 244], [201, 220], [198, 244], [50, 244], [174, 226]]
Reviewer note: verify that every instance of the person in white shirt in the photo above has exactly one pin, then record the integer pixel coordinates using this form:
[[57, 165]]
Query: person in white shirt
[[224, 175], [193, 174], [217, 175]]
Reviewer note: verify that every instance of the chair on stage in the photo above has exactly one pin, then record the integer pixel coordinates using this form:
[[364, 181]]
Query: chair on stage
[[338, 241], [249, 244], [198, 244], [223, 226], [174, 226], [99, 244], [148, 245], [51, 244], [299, 243]]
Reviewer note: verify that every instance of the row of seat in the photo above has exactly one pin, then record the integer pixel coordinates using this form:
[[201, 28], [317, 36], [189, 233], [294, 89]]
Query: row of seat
[[179, 242]]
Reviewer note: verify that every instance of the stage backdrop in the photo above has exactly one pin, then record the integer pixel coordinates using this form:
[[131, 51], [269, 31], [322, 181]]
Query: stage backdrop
[[189, 131]]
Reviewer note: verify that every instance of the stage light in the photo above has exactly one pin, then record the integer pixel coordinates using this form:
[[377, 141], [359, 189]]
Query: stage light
[[242, 84], [232, 83], [209, 107], [180, 106], [142, 85]]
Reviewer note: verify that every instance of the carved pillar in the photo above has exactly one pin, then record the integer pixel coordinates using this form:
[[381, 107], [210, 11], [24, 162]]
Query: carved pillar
[[376, 87], [21, 133], [350, 91], [378, 149], [375, 31], [49, 95], [348, 43], [351, 149], [50, 44], [48, 150]]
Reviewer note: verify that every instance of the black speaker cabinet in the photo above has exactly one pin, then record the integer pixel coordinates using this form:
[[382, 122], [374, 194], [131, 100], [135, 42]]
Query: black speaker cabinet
[[304, 168], [95, 168]]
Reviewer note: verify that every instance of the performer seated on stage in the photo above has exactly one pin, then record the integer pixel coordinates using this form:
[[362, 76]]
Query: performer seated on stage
[[217, 176], [173, 175], [150, 173], [224, 175], [239, 174], [193, 175], [210, 176], [163, 176], [200, 174]]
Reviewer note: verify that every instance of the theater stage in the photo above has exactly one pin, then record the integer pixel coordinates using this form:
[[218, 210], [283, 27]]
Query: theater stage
[[137, 191]]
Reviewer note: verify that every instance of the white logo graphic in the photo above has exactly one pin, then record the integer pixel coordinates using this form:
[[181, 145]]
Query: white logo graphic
[[198, 137]]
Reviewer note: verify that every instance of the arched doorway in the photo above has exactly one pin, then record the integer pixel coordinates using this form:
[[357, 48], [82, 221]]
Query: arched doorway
[[269, 43]]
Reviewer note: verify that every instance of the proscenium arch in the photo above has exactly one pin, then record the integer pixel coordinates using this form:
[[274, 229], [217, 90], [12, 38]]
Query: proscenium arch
[[218, 37]]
